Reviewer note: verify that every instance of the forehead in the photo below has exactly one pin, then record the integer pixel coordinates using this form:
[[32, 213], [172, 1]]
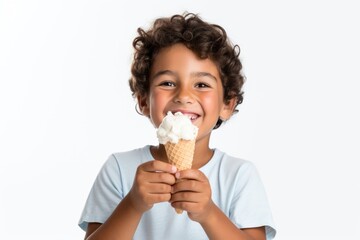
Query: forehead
[[180, 59]]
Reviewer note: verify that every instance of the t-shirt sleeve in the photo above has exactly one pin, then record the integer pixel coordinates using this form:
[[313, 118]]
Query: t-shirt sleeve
[[250, 207], [105, 194]]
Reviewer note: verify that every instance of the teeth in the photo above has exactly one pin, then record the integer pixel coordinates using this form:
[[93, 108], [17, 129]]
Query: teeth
[[191, 117]]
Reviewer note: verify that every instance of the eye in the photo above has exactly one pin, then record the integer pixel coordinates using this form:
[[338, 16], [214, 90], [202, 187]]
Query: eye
[[202, 85], [167, 84]]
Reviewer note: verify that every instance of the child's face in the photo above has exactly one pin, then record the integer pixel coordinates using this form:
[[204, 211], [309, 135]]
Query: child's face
[[180, 81]]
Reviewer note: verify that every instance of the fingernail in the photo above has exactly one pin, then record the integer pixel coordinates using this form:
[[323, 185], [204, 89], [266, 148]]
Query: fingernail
[[173, 169], [177, 175]]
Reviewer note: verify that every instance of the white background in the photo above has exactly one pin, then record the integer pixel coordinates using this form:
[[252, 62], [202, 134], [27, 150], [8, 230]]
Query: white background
[[65, 106]]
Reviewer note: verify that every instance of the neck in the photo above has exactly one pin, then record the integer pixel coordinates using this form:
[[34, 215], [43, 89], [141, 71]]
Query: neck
[[202, 154]]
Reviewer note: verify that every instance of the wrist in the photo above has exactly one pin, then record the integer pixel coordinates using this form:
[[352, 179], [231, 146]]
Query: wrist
[[130, 202], [210, 216]]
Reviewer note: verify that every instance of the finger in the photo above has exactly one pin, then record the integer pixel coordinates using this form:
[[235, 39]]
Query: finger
[[158, 166], [158, 188], [159, 197], [165, 197], [158, 177], [191, 174], [162, 177], [190, 202], [190, 206], [193, 197], [189, 185], [186, 206]]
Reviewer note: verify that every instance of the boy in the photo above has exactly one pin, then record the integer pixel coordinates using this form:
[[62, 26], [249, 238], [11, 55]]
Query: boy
[[182, 64]]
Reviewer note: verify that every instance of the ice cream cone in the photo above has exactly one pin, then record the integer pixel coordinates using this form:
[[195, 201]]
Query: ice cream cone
[[178, 134], [181, 155]]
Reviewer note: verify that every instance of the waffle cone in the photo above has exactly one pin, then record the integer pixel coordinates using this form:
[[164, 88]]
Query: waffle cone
[[181, 155]]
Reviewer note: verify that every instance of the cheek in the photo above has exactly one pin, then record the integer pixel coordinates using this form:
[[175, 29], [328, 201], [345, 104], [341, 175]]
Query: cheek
[[157, 100], [157, 104], [211, 102]]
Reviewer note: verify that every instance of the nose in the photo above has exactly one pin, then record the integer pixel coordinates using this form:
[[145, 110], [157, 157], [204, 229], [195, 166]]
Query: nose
[[183, 96]]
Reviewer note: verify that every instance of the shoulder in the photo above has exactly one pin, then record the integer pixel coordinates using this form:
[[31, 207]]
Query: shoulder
[[232, 170], [126, 160], [233, 163], [134, 156]]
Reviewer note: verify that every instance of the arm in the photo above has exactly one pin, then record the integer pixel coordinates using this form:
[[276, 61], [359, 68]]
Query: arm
[[219, 226], [152, 184], [192, 193]]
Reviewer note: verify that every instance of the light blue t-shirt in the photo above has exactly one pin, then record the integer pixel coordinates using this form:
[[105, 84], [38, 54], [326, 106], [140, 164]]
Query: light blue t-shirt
[[235, 184]]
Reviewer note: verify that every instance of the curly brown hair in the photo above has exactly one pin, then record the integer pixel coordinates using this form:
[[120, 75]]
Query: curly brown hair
[[204, 39]]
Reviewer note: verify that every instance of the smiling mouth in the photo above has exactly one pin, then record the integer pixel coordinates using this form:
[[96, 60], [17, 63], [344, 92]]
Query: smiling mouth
[[191, 116]]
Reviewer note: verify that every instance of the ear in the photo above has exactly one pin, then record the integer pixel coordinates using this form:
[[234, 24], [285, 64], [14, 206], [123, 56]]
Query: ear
[[228, 109], [143, 105]]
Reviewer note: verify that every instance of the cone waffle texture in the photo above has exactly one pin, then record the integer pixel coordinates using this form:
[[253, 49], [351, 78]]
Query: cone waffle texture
[[181, 155]]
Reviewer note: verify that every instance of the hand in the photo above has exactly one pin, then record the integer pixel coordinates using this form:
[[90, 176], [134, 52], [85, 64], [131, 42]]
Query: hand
[[152, 184], [192, 193]]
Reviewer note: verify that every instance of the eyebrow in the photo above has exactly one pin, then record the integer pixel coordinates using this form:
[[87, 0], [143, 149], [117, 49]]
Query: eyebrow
[[194, 74], [203, 74], [164, 72]]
